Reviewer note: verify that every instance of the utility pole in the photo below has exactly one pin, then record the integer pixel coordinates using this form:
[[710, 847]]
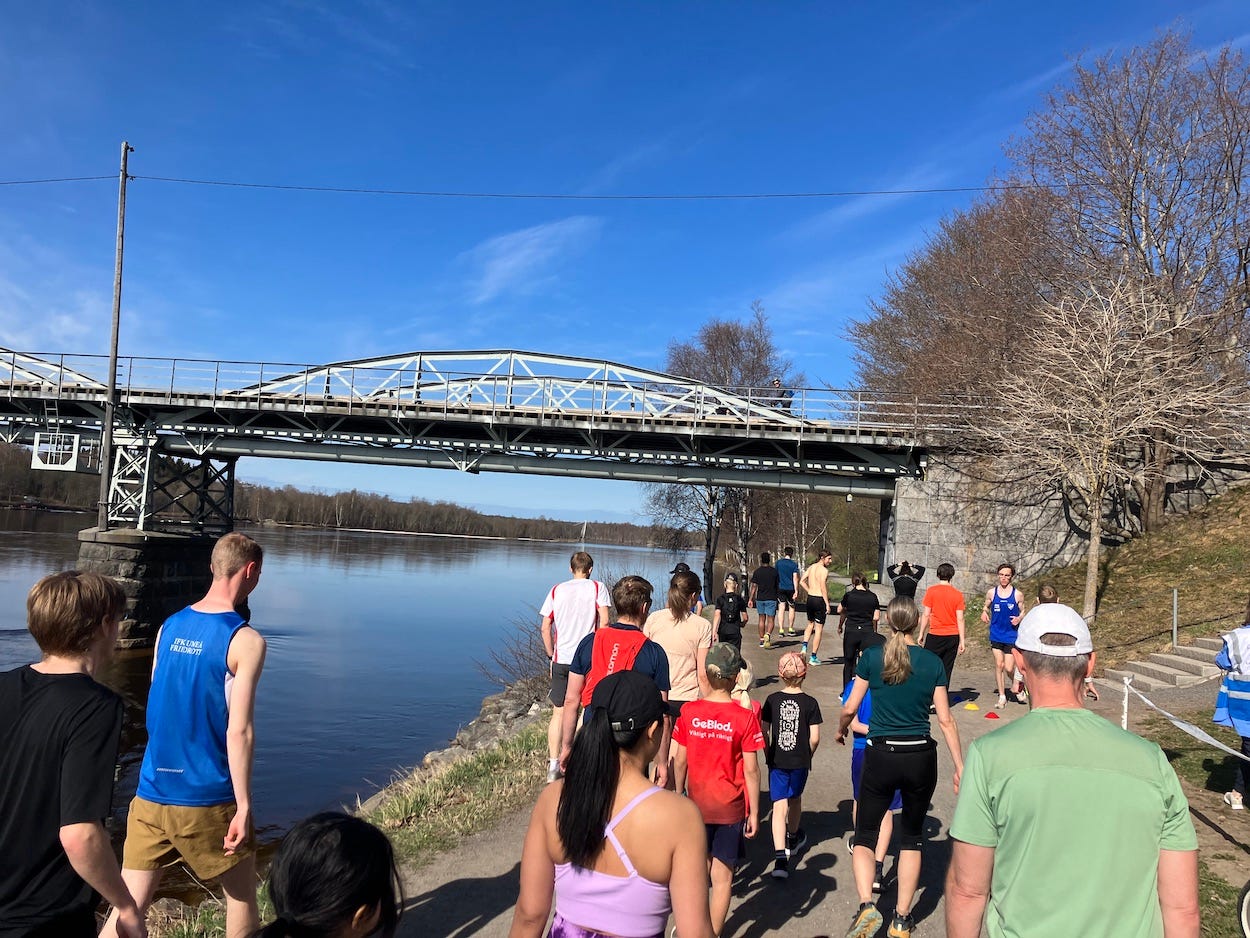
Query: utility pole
[[110, 402]]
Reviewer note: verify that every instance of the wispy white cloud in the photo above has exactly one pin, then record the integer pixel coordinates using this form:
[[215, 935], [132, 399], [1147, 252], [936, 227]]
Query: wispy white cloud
[[927, 175], [521, 261], [377, 34], [1040, 80], [639, 157]]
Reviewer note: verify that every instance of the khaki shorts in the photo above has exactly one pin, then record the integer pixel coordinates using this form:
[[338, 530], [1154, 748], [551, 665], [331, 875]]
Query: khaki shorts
[[158, 835]]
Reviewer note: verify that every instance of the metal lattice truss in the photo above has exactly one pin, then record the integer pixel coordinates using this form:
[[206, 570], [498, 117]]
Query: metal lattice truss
[[149, 489], [521, 380], [478, 411]]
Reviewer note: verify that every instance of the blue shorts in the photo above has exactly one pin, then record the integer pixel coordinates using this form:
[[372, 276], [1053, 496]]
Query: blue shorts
[[727, 843], [857, 772], [766, 607], [784, 784]]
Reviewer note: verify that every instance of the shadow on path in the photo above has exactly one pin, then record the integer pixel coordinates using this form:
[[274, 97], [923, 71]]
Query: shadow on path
[[461, 907]]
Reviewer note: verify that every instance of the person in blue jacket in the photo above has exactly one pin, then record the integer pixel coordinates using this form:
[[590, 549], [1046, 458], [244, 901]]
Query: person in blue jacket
[[1232, 704]]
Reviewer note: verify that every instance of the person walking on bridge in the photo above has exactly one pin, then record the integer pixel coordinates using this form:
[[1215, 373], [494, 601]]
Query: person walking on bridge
[[572, 610]]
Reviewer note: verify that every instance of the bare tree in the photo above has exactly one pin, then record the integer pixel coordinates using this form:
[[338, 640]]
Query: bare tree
[[1099, 375], [1146, 154], [727, 353]]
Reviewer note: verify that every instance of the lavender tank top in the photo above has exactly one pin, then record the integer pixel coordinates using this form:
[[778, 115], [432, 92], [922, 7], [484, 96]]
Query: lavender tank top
[[628, 906]]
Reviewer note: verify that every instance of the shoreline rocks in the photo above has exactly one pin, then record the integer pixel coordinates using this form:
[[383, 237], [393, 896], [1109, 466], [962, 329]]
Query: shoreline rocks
[[501, 717]]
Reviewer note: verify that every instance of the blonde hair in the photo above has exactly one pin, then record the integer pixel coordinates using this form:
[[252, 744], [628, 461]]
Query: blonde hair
[[64, 611], [742, 687], [234, 552], [902, 617]]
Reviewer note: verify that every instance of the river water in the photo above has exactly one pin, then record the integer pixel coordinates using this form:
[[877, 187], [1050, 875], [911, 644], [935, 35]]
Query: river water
[[373, 640]]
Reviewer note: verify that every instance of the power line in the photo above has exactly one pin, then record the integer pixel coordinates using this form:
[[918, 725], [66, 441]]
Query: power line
[[39, 182], [574, 197]]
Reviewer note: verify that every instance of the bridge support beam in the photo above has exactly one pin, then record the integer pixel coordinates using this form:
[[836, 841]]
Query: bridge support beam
[[151, 490], [160, 572]]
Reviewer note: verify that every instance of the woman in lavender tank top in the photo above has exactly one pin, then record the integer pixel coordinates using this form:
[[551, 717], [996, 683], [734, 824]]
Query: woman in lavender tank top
[[617, 853]]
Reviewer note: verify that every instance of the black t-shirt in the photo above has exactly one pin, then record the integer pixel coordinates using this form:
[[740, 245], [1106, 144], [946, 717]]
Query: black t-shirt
[[905, 583], [791, 716], [731, 607], [58, 758], [766, 582], [858, 606]]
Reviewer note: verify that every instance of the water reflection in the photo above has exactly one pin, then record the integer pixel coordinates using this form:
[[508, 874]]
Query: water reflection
[[373, 640]]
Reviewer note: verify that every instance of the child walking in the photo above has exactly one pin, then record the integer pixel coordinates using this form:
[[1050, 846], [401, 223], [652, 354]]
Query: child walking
[[716, 764], [792, 721]]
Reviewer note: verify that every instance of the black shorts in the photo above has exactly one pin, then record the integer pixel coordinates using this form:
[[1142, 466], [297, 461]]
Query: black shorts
[[785, 597], [727, 842], [816, 609], [1004, 647], [559, 684]]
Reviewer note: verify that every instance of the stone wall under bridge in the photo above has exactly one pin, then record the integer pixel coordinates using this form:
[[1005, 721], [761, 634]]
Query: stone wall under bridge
[[952, 517]]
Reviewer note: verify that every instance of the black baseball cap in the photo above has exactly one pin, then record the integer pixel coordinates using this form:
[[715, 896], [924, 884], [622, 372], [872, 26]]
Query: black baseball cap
[[632, 700], [681, 568]]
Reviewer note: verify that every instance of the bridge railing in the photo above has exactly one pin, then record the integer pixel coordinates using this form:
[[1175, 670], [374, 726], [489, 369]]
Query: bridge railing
[[407, 391]]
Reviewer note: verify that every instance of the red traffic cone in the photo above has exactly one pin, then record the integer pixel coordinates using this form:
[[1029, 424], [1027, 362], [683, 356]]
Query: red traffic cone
[[991, 715]]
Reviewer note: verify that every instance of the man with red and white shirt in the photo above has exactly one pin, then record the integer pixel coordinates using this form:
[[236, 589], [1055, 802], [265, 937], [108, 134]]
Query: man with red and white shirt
[[572, 610]]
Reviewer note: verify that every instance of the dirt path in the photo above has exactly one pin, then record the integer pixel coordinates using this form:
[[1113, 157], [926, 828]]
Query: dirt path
[[472, 889]]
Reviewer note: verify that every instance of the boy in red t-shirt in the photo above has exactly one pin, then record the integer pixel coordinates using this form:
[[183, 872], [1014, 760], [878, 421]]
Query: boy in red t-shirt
[[716, 764]]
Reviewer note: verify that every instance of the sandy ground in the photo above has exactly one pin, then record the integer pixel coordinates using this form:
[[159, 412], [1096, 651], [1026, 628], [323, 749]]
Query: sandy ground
[[472, 889]]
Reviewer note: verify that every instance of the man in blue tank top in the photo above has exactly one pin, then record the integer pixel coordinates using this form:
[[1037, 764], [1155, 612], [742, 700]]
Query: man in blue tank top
[[194, 799]]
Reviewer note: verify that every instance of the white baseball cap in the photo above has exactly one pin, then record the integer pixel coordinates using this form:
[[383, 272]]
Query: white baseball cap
[[1054, 618]]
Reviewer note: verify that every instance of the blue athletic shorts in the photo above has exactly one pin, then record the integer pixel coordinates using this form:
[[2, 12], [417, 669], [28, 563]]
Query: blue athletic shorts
[[857, 772], [766, 607], [727, 842], [786, 783]]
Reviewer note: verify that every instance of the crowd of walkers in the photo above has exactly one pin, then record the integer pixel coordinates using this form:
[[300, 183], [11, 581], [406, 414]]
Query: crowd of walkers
[[655, 780]]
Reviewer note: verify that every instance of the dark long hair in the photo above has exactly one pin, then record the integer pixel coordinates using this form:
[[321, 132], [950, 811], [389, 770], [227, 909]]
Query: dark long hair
[[681, 590], [590, 779], [328, 867]]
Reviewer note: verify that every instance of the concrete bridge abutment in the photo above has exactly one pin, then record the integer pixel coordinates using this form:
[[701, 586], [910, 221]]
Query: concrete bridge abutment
[[159, 572]]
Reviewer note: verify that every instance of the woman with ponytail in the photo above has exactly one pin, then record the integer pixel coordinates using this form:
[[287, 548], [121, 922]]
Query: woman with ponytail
[[900, 755], [618, 852], [333, 877], [685, 638]]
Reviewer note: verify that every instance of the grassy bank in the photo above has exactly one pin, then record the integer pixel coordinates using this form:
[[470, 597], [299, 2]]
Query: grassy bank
[[423, 815]]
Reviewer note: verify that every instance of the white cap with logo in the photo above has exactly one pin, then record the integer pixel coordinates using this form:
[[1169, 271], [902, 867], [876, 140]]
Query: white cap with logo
[[1054, 618]]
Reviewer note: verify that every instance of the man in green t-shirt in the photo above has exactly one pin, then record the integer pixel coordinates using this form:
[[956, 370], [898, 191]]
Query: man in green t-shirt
[[1066, 824]]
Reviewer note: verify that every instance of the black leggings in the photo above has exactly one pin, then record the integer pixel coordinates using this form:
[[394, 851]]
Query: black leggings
[[908, 766], [852, 644]]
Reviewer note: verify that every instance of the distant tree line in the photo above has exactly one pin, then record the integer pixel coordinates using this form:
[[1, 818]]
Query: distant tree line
[[21, 485]]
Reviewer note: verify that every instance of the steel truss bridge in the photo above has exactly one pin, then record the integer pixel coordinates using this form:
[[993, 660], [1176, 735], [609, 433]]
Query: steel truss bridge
[[182, 424]]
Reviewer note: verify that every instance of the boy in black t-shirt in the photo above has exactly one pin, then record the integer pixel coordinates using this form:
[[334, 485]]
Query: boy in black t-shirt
[[729, 618], [791, 723], [58, 755]]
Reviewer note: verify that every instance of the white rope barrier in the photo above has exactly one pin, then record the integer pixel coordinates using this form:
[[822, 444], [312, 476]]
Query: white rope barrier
[[1200, 735]]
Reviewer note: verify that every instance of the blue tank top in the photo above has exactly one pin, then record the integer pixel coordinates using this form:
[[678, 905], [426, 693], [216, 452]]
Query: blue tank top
[[185, 762], [1002, 611]]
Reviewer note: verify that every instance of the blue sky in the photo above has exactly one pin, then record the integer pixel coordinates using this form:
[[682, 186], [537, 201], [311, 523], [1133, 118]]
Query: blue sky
[[574, 98]]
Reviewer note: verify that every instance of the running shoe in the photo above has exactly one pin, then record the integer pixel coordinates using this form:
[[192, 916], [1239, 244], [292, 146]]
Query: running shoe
[[813, 660], [865, 922], [1023, 696], [781, 868], [901, 927], [1234, 800], [877, 876], [761, 643], [768, 641], [1002, 702], [804, 650]]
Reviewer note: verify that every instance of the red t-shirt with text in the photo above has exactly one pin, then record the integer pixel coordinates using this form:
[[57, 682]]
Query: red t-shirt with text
[[717, 735]]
